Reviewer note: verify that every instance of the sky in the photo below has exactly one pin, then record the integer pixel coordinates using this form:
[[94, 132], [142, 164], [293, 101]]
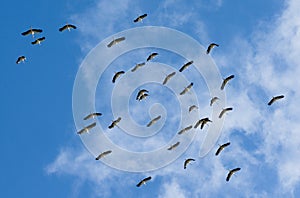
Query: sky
[[42, 109]]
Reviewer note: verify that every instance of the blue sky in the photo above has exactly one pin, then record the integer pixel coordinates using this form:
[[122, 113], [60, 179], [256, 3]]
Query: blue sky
[[43, 156]]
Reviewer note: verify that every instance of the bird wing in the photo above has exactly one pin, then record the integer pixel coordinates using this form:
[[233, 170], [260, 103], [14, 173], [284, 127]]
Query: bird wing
[[63, 28], [91, 125], [173, 146], [34, 42], [219, 150], [184, 91], [143, 181], [151, 56], [143, 16], [168, 77], [117, 75], [37, 30], [111, 43], [26, 32], [229, 175], [118, 40], [183, 68], [103, 154], [222, 113], [214, 99], [135, 68], [202, 124], [190, 86], [186, 162], [72, 26], [153, 121], [198, 123], [88, 116], [271, 101]]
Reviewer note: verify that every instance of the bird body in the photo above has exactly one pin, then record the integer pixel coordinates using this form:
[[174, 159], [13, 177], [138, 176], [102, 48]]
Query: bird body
[[92, 115], [224, 111], [32, 32], [231, 172], [101, 155], [168, 77], [143, 181], [38, 41], [213, 100], [173, 146], [185, 129], [137, 66], [21, 59], [275, 98], [67, 27], [116, 41], [114, 123], [222, 147], [140, 18], [186, 89], [185, 66], [212, 45], [117, 74], [151, 56], [153, 121], [187, 161], [87, 128], [225, 81]]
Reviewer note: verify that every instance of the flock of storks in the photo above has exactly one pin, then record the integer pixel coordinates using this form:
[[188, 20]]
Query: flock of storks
[[142, 94]]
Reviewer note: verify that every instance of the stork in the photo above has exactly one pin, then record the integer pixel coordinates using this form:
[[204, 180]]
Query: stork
[[185, 129], [231, 172], [114, 123], [186, 65], [173, 146], [32, 31], [116, 41], [222, 147], [38, 41], [186, 89], [153, 121], [137, 66], [92, 115], [21, 59], [140, 93], [117, 74], [274, 99], [87, 128], [67, 27], [151, 56], [212, 45], [224, 111], [140, 18], [143, 181], [202, 121], [225, 81], [168, 77], [187, 161], [191, 108], [213, 100], [103, 154]]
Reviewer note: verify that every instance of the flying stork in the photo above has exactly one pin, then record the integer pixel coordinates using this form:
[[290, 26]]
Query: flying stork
[[191, 108], [32, 31], [186, 89], [151, 56], [67, 27], [140, 18], [38, 41], [187, 161], [116, 41], [21, 59], [87, 128], [92, 115], [213, 100], [114, 123], [212, 45], [231, 172], [117, 74], [274, 99], [225, 81], [137, 66], [202, 121], [140, 93], [168, 77], [186, 65], [103, 154], [173, 146], [221, 148], [143, 181], [185, 129], [224, 111], [153, 121]]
